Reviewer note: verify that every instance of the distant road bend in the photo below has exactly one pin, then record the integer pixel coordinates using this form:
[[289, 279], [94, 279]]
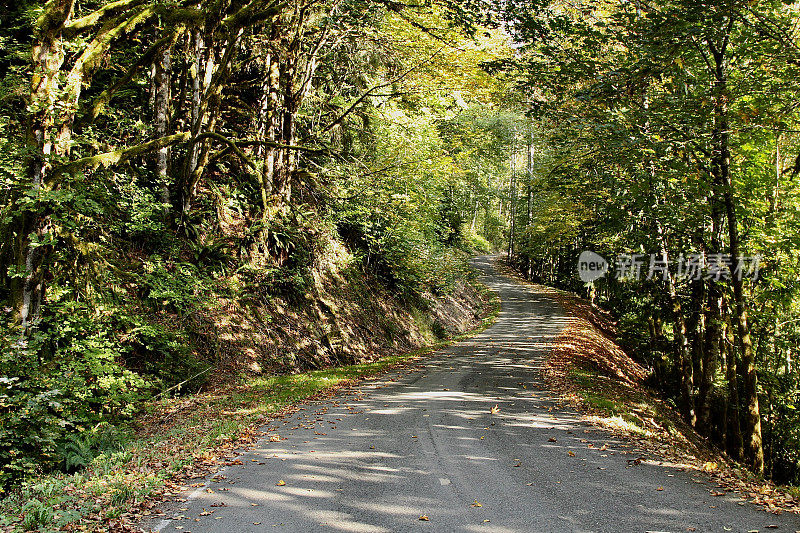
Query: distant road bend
[[427, 445]]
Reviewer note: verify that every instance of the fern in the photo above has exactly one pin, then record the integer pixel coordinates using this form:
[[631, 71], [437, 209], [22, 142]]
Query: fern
[[78, 451]]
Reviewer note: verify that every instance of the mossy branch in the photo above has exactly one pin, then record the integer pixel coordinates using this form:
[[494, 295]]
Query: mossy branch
[[88, 21], [109, 159], [53, 17], [93, 53], [250, 15], [231, 144]]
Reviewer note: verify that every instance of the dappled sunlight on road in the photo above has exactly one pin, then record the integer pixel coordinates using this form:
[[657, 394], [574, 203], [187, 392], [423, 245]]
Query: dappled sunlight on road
[[470, 440]]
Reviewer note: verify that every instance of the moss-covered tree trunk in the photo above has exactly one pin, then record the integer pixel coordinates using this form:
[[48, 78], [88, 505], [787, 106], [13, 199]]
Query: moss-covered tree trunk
[[162, 88], [43, 131]]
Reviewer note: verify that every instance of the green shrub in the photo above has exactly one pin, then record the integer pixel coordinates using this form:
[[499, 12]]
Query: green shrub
[[401, 255], [61, 381], [476, 243]]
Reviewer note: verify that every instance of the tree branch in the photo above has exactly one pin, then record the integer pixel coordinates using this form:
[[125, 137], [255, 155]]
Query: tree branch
[[109, 159]]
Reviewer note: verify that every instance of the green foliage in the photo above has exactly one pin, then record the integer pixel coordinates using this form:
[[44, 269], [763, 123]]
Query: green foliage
[[59, 382], [650, 139], [401, 257], [475, 242], [130, 244]]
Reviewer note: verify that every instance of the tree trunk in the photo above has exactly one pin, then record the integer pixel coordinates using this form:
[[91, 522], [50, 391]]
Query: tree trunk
[[753, 441], [47, 58], [163, 96], [684, 356], [755, 450], [711, 357], [683, 351], [734, 443], [266, 130], [512, 193], [193, 155], [713, 316]]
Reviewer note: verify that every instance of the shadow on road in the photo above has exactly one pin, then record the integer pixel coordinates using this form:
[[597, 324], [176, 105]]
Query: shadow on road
[[471, 441]]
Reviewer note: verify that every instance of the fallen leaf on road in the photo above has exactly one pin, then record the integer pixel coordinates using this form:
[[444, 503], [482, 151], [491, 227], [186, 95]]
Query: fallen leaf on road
[[571, 454], [280, 483], [660, 488], [551, 439], [494, 410], [424, 517], [476, 503]]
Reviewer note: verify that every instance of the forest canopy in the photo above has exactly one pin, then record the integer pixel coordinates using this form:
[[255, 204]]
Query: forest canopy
[[160, 156], [156, 156]]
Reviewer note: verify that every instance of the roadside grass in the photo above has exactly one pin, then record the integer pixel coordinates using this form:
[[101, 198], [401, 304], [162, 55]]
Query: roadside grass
[[626, 409], [180, 439], [635, 414]]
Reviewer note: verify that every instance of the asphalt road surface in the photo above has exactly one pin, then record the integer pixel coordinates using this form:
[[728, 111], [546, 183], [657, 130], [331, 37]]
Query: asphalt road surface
[[426, 443]]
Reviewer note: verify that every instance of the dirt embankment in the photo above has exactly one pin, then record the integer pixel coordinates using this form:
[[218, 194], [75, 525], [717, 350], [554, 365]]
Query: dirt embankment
[[342, 317]]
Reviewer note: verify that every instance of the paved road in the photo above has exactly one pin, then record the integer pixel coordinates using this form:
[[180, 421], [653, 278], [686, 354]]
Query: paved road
[[378, 458]]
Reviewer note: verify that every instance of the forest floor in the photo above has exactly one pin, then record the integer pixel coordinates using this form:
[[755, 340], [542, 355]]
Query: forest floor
[[594, 375]]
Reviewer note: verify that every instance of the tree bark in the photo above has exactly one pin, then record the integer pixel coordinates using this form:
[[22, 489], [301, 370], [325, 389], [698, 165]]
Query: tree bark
[[753, 440], [47, 58], [193, 155], [266, 130], [163, 96], [712, 346], [734, 443]]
